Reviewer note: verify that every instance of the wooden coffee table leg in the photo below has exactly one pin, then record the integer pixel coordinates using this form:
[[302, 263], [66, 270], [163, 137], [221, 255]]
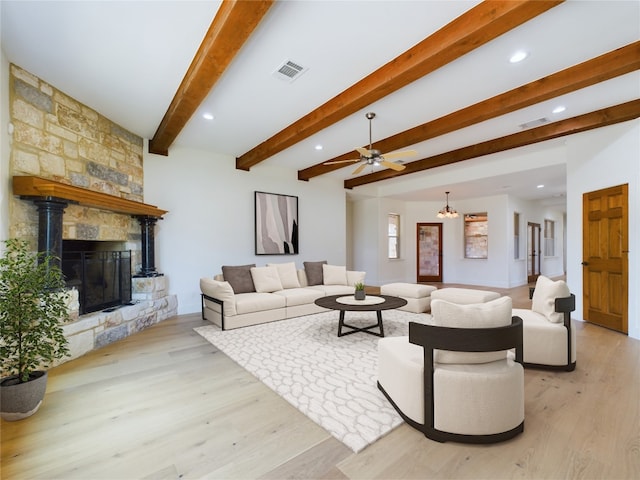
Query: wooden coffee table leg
[[379, 312], [340, 323], [367, 329]]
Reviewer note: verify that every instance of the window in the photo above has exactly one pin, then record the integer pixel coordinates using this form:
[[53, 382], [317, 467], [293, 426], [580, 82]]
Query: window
[[394, 235], [516, 235], [549, 238], [476, 229]]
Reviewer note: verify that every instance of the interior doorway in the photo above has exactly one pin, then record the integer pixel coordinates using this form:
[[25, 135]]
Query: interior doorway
[[605, 257], [533, 251], [429, 254]]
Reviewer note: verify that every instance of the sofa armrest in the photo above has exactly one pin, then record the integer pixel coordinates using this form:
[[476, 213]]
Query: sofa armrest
[[220, 291]]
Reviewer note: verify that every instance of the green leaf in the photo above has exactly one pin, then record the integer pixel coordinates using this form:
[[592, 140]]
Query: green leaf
[[33, 308]]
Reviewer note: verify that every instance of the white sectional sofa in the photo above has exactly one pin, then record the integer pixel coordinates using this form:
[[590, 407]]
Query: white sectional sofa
[[248, 295]]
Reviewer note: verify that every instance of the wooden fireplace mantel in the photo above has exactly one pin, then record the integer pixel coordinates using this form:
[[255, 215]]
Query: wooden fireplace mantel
[[30, 186]]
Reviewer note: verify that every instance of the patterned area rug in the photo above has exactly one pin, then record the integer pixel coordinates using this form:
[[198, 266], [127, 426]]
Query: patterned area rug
[[330, 379]]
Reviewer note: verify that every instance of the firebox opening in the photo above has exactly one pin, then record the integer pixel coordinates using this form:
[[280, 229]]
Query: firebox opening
[[100, 271]]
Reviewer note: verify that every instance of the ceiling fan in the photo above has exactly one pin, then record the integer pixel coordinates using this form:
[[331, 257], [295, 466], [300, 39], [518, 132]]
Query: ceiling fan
[[374, 157]]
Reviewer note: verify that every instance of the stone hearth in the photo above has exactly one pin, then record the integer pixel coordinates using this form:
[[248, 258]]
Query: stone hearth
[[152, 304]]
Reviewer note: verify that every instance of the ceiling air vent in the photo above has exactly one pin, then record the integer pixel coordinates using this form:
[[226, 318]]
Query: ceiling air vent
[[289, 71], [534, 123]]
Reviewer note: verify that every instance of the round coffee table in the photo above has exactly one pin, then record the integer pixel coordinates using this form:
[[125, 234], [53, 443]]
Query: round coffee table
[[372, 303]]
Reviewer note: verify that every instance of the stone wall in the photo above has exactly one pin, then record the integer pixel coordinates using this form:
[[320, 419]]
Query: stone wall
[[57, 137]]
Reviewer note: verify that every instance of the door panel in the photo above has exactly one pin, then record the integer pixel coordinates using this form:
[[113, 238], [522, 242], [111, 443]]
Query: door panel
[[533, 251], [429, 254], [605, 257]]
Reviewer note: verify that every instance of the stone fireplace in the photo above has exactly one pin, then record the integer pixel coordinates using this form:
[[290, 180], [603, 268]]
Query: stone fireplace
[[77, 176], [99, 271]]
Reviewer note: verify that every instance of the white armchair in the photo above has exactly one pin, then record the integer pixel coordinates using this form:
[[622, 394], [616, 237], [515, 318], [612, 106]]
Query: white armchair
[[549, 339], [453, 379]]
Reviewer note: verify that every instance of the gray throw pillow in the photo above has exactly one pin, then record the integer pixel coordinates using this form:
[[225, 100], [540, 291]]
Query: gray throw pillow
[[313, 270], [239, 277]]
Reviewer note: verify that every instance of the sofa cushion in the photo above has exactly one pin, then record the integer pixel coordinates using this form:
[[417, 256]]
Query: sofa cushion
[[239, 277], [258, 302], [496, 313], [313, 271], [544, 298], [299, 296], [287, 273], [334, 275], [266, 279]]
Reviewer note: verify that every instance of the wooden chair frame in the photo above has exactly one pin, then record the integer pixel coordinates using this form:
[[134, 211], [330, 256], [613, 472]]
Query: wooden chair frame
[[460, 340]]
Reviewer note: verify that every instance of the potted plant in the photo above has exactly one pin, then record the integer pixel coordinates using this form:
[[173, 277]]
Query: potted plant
[[359, 293], [32, 308]]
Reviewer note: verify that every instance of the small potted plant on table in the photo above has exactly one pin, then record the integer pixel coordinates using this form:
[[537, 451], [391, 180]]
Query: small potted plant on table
[[32, 309], [359, 293]]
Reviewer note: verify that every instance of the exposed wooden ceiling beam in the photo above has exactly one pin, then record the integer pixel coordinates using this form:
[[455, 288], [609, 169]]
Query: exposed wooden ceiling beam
[[481, 24], [605, 67], [600, 118], [233, 24]]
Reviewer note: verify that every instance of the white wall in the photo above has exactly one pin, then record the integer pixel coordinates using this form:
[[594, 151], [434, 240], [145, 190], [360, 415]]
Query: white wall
[[598, 159], [367, 238], [211, 217]]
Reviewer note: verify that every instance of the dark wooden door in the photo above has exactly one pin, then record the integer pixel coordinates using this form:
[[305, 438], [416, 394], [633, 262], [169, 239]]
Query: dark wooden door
[[605, 250], [533, 251], [429, 254]]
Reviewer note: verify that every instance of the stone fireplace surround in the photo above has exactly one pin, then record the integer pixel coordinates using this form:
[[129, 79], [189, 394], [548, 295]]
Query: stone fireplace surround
[[64, 148], [151, 300]]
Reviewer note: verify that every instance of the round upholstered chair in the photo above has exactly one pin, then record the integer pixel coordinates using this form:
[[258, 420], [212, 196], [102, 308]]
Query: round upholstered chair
[[549, 338], [453, 378]]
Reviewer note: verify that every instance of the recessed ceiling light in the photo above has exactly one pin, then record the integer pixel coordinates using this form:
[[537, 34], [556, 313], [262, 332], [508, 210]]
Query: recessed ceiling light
[[318, 147], [540, 186], [519, 56], [559, 109], [207, 116]]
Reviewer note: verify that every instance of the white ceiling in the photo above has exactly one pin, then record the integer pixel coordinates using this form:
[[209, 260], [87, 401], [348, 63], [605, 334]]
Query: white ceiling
[[126, 60]]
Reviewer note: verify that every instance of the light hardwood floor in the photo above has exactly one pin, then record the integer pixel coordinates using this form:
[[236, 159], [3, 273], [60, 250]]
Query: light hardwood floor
[[165, 404]]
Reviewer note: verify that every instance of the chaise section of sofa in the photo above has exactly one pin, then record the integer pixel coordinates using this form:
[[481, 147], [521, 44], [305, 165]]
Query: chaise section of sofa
[[248, 295]]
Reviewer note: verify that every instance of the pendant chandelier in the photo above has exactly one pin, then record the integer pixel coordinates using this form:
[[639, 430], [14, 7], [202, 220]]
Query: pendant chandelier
[[447, 212]]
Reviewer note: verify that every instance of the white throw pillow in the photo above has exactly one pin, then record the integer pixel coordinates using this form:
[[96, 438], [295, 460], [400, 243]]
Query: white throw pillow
[[544, 298], [334, 275], [266, 279], [496, 313], [354, 277], [287, 273]]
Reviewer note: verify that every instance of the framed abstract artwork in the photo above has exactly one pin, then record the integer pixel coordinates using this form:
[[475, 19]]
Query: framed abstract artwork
[[276, 218]]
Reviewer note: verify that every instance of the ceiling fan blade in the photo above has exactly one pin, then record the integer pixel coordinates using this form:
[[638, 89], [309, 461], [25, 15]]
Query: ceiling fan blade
[[403, 153], [393, 166], [359, 169], [342, 161], [364, 152]]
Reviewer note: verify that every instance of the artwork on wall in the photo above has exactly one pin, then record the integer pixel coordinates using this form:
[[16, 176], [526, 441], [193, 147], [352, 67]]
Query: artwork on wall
[[276, 224]]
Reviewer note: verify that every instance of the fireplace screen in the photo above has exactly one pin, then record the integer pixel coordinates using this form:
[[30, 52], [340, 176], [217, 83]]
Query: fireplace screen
[[103, 279]]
